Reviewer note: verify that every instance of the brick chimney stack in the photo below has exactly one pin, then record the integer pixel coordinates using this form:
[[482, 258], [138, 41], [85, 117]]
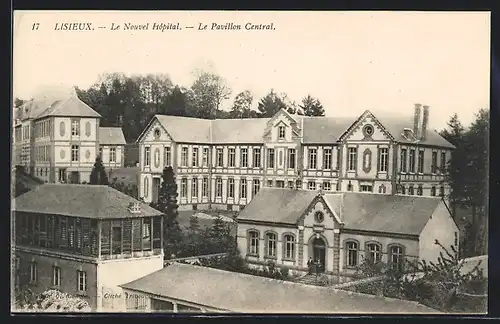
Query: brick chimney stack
[[416, 120], [425, 122]]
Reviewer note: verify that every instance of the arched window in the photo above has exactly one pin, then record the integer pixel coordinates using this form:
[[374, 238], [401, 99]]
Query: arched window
[[351, 248], [253, 242], [289, 247], [373, 252], [396, 256], [271, 239]]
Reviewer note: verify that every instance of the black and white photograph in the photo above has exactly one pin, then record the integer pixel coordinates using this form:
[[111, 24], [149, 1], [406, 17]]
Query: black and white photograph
[[250, 162]]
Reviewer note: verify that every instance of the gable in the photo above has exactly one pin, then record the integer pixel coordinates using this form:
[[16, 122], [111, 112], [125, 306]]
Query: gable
[[367, 128], [327, 215], [155, 132], [280, 118]]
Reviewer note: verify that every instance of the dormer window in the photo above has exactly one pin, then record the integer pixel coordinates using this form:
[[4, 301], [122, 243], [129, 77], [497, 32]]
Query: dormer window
[[408, 134], [281, 132]]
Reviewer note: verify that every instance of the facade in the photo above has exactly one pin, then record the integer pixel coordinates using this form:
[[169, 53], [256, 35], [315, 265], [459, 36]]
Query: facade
[[80, 246], [56, 138], [217, 291], [289, 227], [222, 164], [112, 147]]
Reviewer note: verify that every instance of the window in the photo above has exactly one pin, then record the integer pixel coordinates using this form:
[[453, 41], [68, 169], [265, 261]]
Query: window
[[195, 156], [146, 234], [205, 156], [220, 157], [56, 276], [434, 162], [327, 186], [404, 157], [147, 157], [352, 159], [270, 158], [291, 158], [290, 184], [183, 187], [269, 183], [420, 190], [443, 162], [289, 247], [381, 189], [374, 252], [433, 191], [167, 159], [319, 217], [243, 188], [456, 239], [366, 188], [383, 159], [410, 190], [420, 161], [218, 187], [244, 158], [281, 132], [312, 158], [204, 187], [194, 188], [311, 185], [82, 280], [184, 157], [337, 166], [232, 157], [75, 153], [396, 257], [412, 161], [337, 186], [75, 127], [116, 238], [256, 186], [256, 157], [33, 272], [403, 190], [112, 154], [352, 254], [327, 159], [230, 188], [349, 186], [253, 244], [441, 191], [271, 245]]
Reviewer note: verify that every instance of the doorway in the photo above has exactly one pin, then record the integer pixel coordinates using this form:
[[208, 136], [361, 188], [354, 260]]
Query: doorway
[[75, 177], [319, 253], [280, 184]]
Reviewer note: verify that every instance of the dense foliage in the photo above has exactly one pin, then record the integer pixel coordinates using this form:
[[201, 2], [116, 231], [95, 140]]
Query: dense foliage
[[49, 301], [98, 175]]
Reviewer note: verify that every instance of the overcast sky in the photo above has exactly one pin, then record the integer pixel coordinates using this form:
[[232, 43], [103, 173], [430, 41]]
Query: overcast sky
[[351, 61]]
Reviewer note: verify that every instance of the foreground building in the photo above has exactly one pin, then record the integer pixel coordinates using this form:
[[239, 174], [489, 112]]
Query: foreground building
[[57, 138], [183, 288], [340, 230], [80, 238], [222, 164]]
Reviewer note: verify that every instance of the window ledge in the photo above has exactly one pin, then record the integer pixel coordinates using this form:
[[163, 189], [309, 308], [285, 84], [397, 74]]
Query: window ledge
[[268, 257], [252, 255], [82, 294], [289, 259]]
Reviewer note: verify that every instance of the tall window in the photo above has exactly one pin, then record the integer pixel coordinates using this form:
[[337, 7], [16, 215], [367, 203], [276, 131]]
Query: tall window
[[244, 158], [184, 190], [289, 247], [352, 254], [281, 132], [327, 159], [271, 245], [184, 157], [194, 188], [82, 280], [312, 158], [112, 154], [167, 159], [256, 186], [352, 158], [33, 272], [396, 257], [291, 158], [374, 252], [220, 157], [205, 156], [420, 190], [232, 157], [327, 186], [270, 158], [433, 190], [75, 153], [411, 190], [195, 156], [412, 161], [253, 244], [311, 185], [441, 191], [403, 190], [384, 159], [404, 157], [230, 188], [256, 157], [56, 276], [75, 127], [218, 187], [147, 156], [204, 187], [243, 188], [420, 161], [434, 162], [443, 162]]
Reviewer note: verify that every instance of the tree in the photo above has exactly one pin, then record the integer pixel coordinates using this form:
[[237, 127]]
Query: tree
[[18, 102], [98, 175], [176, 103], [209, 90], [242, 106], [270, 104], [312, 106]]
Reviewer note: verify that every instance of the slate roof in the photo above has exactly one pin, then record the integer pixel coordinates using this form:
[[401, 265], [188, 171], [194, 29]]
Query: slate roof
[[242, 293], [111, 136], [80, 200], [358, 211]]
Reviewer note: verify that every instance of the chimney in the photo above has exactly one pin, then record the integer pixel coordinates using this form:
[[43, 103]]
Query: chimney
[[416, 120], [425, 121]]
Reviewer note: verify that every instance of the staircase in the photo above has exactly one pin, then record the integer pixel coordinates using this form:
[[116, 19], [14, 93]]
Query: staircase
[[309, 279]]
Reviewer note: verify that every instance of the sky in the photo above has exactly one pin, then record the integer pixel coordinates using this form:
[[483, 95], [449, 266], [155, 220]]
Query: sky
[[351, 61]]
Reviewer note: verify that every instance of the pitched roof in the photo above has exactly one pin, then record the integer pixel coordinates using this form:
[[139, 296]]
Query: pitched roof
[[227, 131], [80, 200], [111, 136], [186, 129], [358, 211], [324, 130], [237, 292]]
